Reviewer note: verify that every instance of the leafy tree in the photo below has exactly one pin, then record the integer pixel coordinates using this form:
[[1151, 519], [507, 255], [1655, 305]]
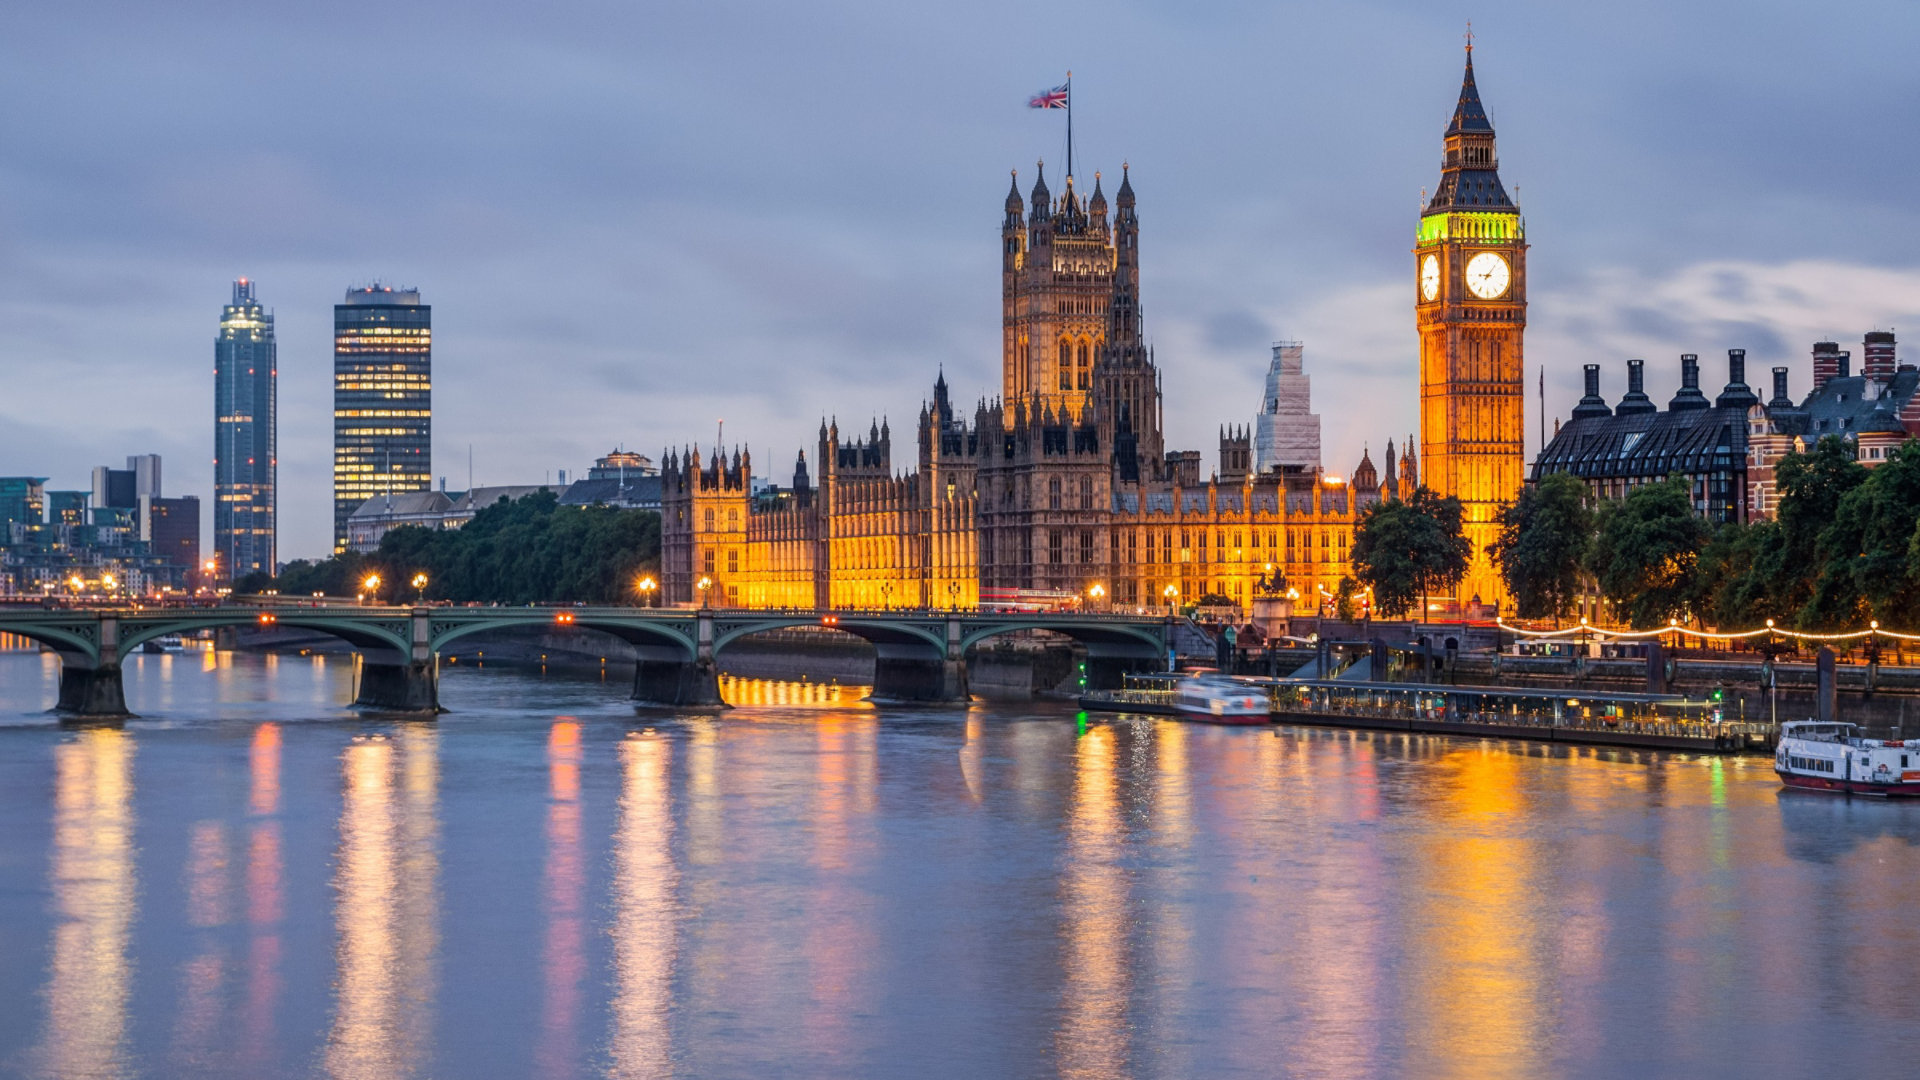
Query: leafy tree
[[1645, 550], [1865, 551], [1407, 549], [1543, 541], [1811, 486], [529, 550], [1735, 585], [1343, 600]]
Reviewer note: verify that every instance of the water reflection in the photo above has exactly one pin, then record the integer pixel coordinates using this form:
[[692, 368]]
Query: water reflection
[[93, 895], [735, 690], [1092, 1039], [839, 943], [1478, 984], [386, 906], [265, 896], [563, 959], [644, 913]]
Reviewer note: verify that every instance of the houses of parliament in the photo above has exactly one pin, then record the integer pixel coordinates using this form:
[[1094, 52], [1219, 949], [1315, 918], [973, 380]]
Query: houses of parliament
[[1063, 482]]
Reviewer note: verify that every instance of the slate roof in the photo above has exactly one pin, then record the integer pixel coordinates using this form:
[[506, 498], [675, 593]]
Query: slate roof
[[1850, 406], [1648, 445]]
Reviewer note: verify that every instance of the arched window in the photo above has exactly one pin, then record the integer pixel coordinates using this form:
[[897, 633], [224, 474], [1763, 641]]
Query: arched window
[[1066, 365], [1086, 493], [1053, 494]]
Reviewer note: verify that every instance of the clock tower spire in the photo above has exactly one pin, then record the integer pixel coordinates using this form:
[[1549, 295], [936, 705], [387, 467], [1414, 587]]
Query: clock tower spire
[[1470, 306]]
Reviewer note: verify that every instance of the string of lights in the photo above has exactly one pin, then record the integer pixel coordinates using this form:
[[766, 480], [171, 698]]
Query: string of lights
[[1674, 627]]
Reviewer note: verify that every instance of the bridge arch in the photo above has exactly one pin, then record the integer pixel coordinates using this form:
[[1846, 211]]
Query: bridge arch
[[891, 634], [363, 634], [642, 633], [1122, 637]]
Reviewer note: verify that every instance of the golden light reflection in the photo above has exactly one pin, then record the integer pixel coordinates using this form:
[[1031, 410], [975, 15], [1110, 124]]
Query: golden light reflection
[[1477, 1010], [385, 914], [739, 691], [93, 887], [645, 913], [970, 753], [265, 899], [1092, 1038], [839, 940], [564, 955], [203, 978]]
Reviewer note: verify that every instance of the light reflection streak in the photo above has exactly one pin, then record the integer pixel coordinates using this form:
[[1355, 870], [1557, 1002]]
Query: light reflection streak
[[645, 913], [205, 975], [1092, 1038], [1170, 933], [838, 937], [386, 887], [564, 960], [265, 899], [94, 889], [1477, 1009]]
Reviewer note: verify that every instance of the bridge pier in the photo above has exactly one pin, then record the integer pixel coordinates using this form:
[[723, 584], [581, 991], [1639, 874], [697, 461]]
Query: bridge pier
[[392, 681], [406, 686], [666, 676], [91, 691], [919, 679]]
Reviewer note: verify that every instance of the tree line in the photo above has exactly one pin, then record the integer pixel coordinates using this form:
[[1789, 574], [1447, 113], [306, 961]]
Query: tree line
[[522, 551], [1842, 548]]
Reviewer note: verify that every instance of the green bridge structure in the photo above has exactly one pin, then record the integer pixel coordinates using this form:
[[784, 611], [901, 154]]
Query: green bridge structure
[[920, 655]]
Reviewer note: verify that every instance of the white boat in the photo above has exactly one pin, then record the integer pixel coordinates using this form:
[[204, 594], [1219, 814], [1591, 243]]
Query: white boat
[[1819, 756], [1221, 699]]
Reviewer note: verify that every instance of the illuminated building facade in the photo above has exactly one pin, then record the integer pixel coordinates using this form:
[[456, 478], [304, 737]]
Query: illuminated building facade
[[245, 438], [1470, 304], [1060, 484], [382, 399]]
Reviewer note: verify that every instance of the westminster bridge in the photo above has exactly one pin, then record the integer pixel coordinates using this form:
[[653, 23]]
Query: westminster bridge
[[919, 655]]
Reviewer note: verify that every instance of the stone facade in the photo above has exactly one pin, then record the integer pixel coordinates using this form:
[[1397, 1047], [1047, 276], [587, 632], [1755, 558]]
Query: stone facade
[[1058, 485]]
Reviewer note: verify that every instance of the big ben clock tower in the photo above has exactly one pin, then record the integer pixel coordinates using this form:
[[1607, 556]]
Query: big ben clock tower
[[1470, 302]]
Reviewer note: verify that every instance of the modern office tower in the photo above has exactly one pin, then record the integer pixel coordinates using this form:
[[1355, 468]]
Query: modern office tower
[[146, 474], [382, 399], [114, 488], [23, 501], [171, 529], [68, 507], [1287, 431], [245, 439]]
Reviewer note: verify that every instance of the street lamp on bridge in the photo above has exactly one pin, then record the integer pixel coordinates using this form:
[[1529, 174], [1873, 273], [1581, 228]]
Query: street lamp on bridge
[[370, 587], [703, 585], [646, 585], [1172, 593], [1096, 593], [419, 587]]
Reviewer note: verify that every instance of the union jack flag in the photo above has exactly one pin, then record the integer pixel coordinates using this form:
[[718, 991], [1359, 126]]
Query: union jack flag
[[1055, 98]]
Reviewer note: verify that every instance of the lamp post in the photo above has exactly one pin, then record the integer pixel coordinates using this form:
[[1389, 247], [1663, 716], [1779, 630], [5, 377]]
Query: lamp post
[[419, 588], [646, 586], [370, 588], [1172, 593], [1097, 593], [703, 585], [210, 572], [953, 596], [886, 596]]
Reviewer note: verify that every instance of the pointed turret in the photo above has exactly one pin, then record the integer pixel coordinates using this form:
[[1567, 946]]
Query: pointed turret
[[1042, 198], [1097, 205], [1014, 204], [1124, 197], [1470, 177]]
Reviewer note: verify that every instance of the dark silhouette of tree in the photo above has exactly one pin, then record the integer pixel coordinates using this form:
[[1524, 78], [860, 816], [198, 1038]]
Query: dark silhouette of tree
[[1405, 550], [1542, 546]]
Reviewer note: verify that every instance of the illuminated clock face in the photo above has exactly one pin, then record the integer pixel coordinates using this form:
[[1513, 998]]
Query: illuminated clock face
[[1430, 277], [1487, 276]]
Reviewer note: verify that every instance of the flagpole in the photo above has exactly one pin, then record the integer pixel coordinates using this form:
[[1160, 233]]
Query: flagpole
[[1069, 125]]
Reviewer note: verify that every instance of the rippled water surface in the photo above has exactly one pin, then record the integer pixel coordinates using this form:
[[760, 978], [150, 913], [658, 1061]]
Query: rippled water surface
[[253, 881]]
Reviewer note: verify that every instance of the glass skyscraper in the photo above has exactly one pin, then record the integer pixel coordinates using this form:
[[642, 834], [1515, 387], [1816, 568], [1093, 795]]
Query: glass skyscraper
[[245, 438], [382, 399]]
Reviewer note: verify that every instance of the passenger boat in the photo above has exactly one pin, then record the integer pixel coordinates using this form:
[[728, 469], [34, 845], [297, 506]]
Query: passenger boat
[[1221, 700], [1832, 757]]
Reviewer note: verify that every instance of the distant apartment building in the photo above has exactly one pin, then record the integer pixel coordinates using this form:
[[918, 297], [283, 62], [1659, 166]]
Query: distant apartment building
[[382, 399], [245, 438]]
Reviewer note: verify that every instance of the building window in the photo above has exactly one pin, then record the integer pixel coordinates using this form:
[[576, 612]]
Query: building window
[[1053, 546], [1086, 545], [1086, 493], [733, 562], [706, 559], [1053, 494], [708, 518]]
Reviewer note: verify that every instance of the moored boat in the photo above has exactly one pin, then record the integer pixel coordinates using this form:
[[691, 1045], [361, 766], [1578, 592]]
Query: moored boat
[[1817, 756], [1221, 700]]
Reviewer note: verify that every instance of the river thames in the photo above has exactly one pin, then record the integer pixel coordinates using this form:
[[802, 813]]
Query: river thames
[[252, 880]]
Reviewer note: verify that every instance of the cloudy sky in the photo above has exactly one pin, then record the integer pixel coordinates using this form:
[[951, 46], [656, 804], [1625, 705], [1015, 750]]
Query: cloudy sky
[[634, 219]]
